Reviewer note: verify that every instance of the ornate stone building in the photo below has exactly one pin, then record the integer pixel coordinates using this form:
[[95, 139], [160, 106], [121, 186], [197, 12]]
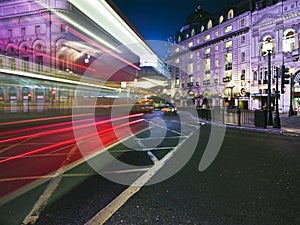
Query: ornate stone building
[[220, 60], [47, 46]]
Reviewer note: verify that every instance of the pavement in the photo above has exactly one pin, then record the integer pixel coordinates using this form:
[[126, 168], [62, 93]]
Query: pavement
[[290, 124]]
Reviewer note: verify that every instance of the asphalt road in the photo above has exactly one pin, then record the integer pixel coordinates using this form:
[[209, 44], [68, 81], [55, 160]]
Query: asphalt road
[[254, 179]]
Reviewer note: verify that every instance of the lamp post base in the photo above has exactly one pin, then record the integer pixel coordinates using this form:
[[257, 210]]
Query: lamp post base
[[276, 123], [270, 119]]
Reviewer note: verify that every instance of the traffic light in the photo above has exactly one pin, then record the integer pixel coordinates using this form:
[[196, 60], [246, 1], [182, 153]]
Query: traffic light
[[284, 77], [29, 97]]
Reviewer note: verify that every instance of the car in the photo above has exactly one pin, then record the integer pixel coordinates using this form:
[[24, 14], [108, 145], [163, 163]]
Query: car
[[169, 108], [147, 108]]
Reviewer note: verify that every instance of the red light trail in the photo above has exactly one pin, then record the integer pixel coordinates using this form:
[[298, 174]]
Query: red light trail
[[70, 141], [67, 129]]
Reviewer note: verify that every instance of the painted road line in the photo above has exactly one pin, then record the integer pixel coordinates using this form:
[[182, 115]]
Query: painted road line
[[128, 171], [141, 149], [102, 216], [33, 215], [152, 157]]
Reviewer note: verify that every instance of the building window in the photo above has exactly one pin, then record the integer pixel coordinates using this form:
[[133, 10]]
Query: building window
[[242, 22], [23, 31], [254, 75], [243, 56], [228, 44], [221, 19], [179, 39], [191, 44], [191, 56], [193, 32], [39, 63], [37, 30], [228, 61], [243, 75], [25, 64], [216, 63], [289, 41], [207, 51], [216, 33], [207, 65], [202, 28], [228, 29], [9, 33], [207, 37], [216, 48], [12, 63], [63, 28], [230, 14], [191, 78], [209, 24], [243, 39], [190, 68]]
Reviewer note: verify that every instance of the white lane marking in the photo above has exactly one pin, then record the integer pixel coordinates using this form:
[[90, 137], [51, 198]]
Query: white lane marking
[[141, 149], [129, 170], [33, 215], [172, 137], [103, 215], [152, 157], [174, 131]]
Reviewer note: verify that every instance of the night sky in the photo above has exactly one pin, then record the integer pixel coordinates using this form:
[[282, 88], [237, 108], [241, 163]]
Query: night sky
[[160, 19]]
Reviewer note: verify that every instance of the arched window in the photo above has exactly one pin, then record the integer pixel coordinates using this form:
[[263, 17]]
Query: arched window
[[202, 28], [209, 24], [221, 19], [289, 41], [179, 38], [193, 32], [230, 14]]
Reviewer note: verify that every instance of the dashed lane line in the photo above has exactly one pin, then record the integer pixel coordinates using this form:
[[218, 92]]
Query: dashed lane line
[[103, 215]]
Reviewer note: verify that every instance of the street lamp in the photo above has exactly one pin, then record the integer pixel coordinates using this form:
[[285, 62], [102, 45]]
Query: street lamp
[[269, 47]]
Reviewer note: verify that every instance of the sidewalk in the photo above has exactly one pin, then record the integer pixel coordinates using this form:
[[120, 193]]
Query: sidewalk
[[290, 125]]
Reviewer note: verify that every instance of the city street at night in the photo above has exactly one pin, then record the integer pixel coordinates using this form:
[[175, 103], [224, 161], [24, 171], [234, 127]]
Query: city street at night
[[253, 180], [149, 112]]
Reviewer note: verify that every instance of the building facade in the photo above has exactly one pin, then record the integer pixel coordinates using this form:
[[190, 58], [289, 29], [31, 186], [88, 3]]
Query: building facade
[[221, 60], [48, 46]]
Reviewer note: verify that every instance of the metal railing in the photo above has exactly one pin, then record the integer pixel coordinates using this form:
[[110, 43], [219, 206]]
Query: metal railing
[[231, 116]]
